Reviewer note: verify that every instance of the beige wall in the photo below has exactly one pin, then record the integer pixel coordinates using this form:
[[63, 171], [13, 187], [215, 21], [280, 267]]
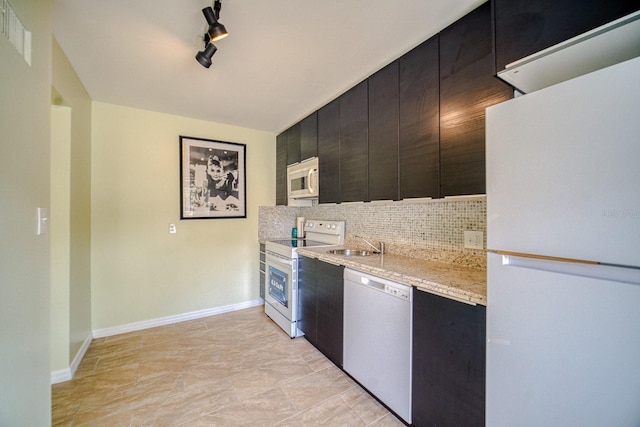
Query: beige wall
[[59, 226], [70, 213], [141, 272], [25, 396]]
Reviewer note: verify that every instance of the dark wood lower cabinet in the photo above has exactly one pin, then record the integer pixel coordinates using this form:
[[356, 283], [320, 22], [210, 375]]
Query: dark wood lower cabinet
[[308, 298], [330, 310], [321, 302], [448, 362]]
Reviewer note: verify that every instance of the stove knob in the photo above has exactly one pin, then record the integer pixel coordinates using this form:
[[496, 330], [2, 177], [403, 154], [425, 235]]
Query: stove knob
[[328, 226], [333, 226]]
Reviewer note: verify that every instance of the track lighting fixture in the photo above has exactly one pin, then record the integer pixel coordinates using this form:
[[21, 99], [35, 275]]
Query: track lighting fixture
[[215, 31], [204, 56]]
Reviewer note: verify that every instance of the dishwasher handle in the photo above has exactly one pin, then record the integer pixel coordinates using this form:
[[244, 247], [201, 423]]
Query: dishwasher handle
[[372, 283]]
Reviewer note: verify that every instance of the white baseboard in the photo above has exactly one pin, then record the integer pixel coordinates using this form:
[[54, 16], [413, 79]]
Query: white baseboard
[[162, 321], [61, 376], [67, 374]]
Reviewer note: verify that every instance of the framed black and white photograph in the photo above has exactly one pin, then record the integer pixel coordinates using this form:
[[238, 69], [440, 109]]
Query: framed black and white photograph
[[213, 179]]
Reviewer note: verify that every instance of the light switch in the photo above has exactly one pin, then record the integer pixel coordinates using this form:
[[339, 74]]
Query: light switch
[[43, 221]]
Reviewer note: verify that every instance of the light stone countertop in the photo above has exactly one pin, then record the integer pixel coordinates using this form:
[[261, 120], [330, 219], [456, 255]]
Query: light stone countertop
[[449, 280]]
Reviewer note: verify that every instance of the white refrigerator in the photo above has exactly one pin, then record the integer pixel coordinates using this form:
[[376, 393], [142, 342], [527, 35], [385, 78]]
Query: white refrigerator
[[563, 236]]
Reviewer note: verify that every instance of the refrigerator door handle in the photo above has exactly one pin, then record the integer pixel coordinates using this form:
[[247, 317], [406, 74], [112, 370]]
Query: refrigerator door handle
[[592, 269]]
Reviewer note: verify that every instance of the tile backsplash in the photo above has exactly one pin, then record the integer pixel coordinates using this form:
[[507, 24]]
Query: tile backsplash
[[431, 229]]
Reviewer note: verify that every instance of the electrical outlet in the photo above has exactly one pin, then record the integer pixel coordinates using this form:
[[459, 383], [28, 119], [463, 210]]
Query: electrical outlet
[[473, 239], [172, 229]]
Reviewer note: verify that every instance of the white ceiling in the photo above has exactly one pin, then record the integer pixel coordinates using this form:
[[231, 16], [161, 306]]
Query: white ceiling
[[282, 60]]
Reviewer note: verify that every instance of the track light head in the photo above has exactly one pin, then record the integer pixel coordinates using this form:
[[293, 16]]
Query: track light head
[[204, 56], [216, 30]]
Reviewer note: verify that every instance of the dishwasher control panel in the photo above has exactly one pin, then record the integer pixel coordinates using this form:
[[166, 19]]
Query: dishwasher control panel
[[397, 292], [388, 287]]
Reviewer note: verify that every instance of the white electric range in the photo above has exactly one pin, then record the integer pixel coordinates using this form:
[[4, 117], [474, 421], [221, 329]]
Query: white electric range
[[281, 293]]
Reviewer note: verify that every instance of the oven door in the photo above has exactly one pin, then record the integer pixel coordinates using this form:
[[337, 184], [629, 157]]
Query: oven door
[[281, 287]]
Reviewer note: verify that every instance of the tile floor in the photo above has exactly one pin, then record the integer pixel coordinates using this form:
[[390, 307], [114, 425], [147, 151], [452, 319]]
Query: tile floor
[[233, 369]]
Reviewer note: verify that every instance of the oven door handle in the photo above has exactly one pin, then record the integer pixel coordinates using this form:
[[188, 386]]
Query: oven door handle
[[275, 259], [278, 258]]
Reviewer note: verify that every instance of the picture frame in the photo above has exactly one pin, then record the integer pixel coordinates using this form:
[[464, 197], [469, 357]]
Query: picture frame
[[212, 179]]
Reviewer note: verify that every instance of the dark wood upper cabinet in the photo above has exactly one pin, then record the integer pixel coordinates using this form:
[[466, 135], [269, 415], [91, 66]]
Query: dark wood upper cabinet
[[383, 133], [418, 121], [524, 27], [309, 136], [281, 169], [354, 178], [329, 152], [431, 102], [467, 88], [293, 144]]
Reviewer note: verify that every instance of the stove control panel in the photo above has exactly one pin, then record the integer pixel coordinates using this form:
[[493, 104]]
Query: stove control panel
[[325, 227], [322, 230]]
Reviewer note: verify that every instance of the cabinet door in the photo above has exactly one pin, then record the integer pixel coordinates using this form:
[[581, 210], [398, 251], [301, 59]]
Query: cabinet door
[[354, 144], [383, 134], [281, 169], [418, 121], [330, 310], [329, 152], [467, 88], [524, 27], [448, 362], [308, 298], [309, 137], [293, 144]]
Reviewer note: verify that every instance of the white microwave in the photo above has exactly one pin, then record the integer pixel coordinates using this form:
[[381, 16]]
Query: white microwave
[[302, 179]]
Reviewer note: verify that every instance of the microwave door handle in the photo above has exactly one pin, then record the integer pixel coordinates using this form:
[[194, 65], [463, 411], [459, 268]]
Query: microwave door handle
[[309, 175]]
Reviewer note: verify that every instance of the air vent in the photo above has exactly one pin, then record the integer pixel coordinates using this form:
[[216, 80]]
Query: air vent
[[13, 29]]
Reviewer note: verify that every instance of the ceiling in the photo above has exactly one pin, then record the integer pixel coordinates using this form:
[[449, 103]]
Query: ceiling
[[282, 60]]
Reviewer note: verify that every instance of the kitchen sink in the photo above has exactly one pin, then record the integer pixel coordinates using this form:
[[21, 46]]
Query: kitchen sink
[[349, 252]]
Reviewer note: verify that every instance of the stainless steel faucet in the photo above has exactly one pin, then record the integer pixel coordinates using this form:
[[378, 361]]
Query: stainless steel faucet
[[376, 250]]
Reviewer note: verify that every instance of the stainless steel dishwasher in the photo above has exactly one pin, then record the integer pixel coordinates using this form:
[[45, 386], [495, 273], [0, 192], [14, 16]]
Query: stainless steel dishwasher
[[378, 338]]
